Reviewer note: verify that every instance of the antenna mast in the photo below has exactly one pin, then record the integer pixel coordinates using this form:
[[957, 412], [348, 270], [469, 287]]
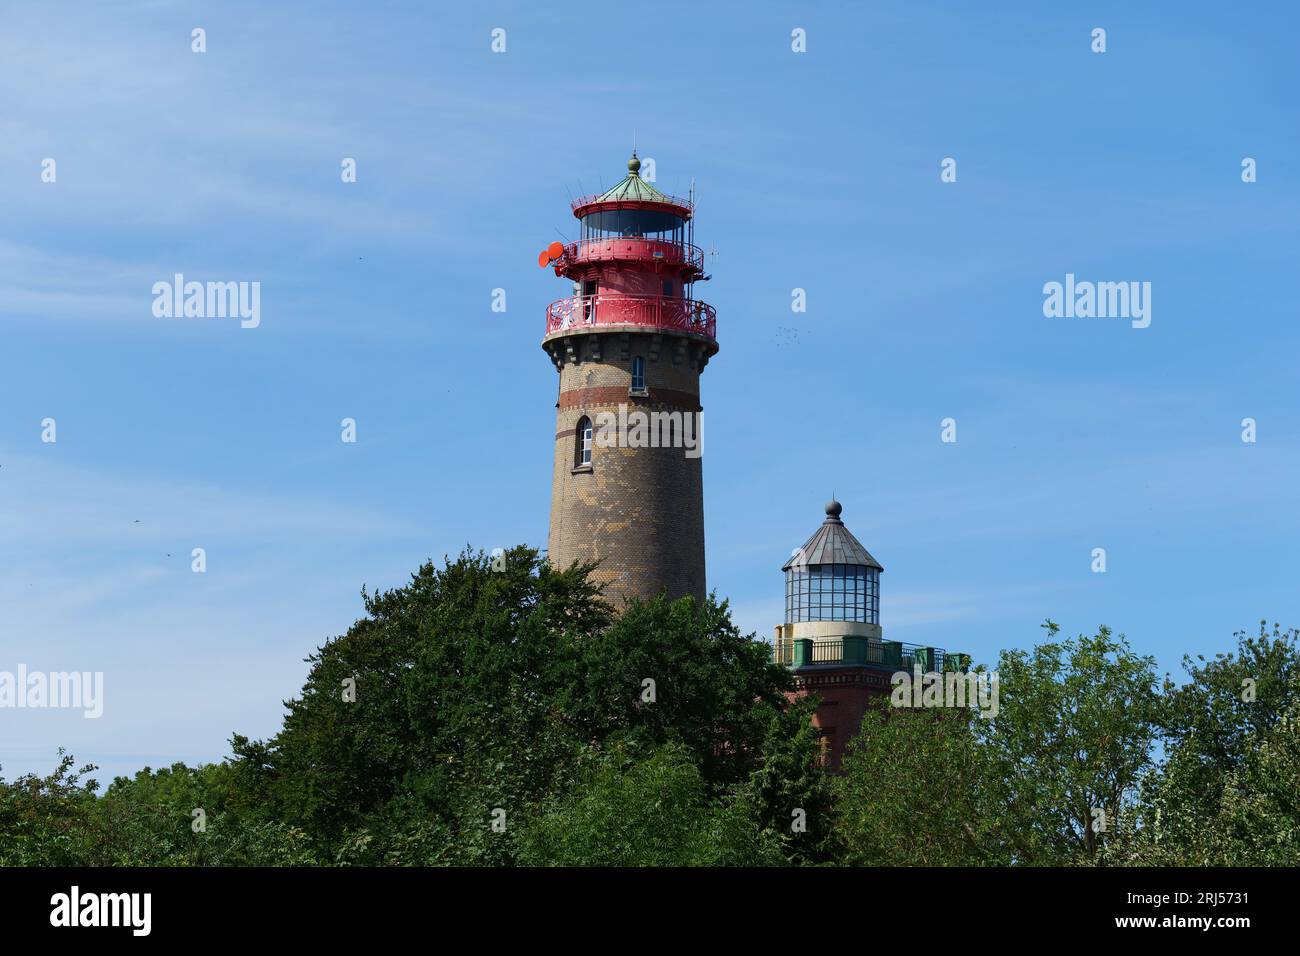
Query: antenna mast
[[691, 239], [690, 230]]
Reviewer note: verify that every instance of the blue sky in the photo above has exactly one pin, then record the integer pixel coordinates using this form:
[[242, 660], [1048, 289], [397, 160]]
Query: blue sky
[[817, 171]]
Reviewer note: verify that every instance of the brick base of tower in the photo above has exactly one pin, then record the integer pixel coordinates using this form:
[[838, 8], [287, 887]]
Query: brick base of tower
[[636, 512], [844, 693]]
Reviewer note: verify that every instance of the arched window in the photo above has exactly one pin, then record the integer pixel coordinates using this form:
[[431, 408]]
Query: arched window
[[582, 448], [638, 374]]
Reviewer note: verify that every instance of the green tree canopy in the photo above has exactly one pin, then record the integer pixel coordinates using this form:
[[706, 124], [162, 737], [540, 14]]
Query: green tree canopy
[[1227, 792], [480, 688], [1031, 785]]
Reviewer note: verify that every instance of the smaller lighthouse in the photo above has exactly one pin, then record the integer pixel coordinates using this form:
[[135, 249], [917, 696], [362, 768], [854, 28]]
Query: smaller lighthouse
[[832, 586], [832, 638]]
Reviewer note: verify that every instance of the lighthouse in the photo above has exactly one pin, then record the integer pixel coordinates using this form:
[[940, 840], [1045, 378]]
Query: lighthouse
[[832, 638], [629, 343]]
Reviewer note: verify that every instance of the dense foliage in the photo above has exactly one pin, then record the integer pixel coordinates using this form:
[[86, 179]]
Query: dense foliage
[[1089, 761], [500, 712]]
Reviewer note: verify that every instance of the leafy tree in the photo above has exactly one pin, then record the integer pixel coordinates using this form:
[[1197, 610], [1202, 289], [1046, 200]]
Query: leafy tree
[[145, 820], [650, 812], [455, 676], [1259, 819], [43, 820], [1074, 732], [1226, 703], [662, 736], [150, 820], [1072, 735], [916, 790], [481, 688], [1226, 792], [789, 778], [714, 690]]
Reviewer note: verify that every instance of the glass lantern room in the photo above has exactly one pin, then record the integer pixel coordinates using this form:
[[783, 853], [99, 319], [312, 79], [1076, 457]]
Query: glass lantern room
[[832, 577], [832, 592]]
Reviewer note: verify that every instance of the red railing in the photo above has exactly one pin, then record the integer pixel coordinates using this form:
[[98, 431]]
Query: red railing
[[650, 311], [635, 249]]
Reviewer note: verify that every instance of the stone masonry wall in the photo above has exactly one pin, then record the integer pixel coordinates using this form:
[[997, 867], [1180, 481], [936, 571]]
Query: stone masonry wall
[[638, 511]]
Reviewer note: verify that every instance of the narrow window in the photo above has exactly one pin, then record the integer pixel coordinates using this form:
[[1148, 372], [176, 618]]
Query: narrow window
[[582, 454], [824, 741], [638, 374], [668, 287]]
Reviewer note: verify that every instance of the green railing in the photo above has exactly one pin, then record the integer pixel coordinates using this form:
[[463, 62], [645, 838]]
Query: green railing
[[805, 652]]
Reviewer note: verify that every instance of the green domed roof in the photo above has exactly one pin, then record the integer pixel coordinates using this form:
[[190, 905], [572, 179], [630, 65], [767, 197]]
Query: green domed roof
[[634, 188]]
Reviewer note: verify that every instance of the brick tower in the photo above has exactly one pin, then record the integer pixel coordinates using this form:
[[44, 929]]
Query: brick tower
[[630, 343]]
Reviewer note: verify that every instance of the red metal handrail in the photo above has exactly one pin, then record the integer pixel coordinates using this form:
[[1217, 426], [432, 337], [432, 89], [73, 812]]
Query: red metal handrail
[[636, 248], [650, 311]]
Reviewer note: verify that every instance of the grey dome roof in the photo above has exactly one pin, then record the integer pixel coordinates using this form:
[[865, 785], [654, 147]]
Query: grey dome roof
[[832, 544]]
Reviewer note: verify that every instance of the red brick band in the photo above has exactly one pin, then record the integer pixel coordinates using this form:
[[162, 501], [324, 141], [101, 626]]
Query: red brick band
[[572, 432]]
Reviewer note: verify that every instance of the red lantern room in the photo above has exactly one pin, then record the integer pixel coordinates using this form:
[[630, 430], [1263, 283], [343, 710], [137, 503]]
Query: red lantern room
[[634, 265]]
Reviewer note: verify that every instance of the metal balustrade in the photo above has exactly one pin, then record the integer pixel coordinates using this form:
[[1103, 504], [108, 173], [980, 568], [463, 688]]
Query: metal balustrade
[[861, 650], [632, 249], [647, 311]]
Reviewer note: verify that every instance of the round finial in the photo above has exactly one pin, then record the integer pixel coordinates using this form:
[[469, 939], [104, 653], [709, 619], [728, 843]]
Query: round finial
[[634, 164], [833, 508]]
